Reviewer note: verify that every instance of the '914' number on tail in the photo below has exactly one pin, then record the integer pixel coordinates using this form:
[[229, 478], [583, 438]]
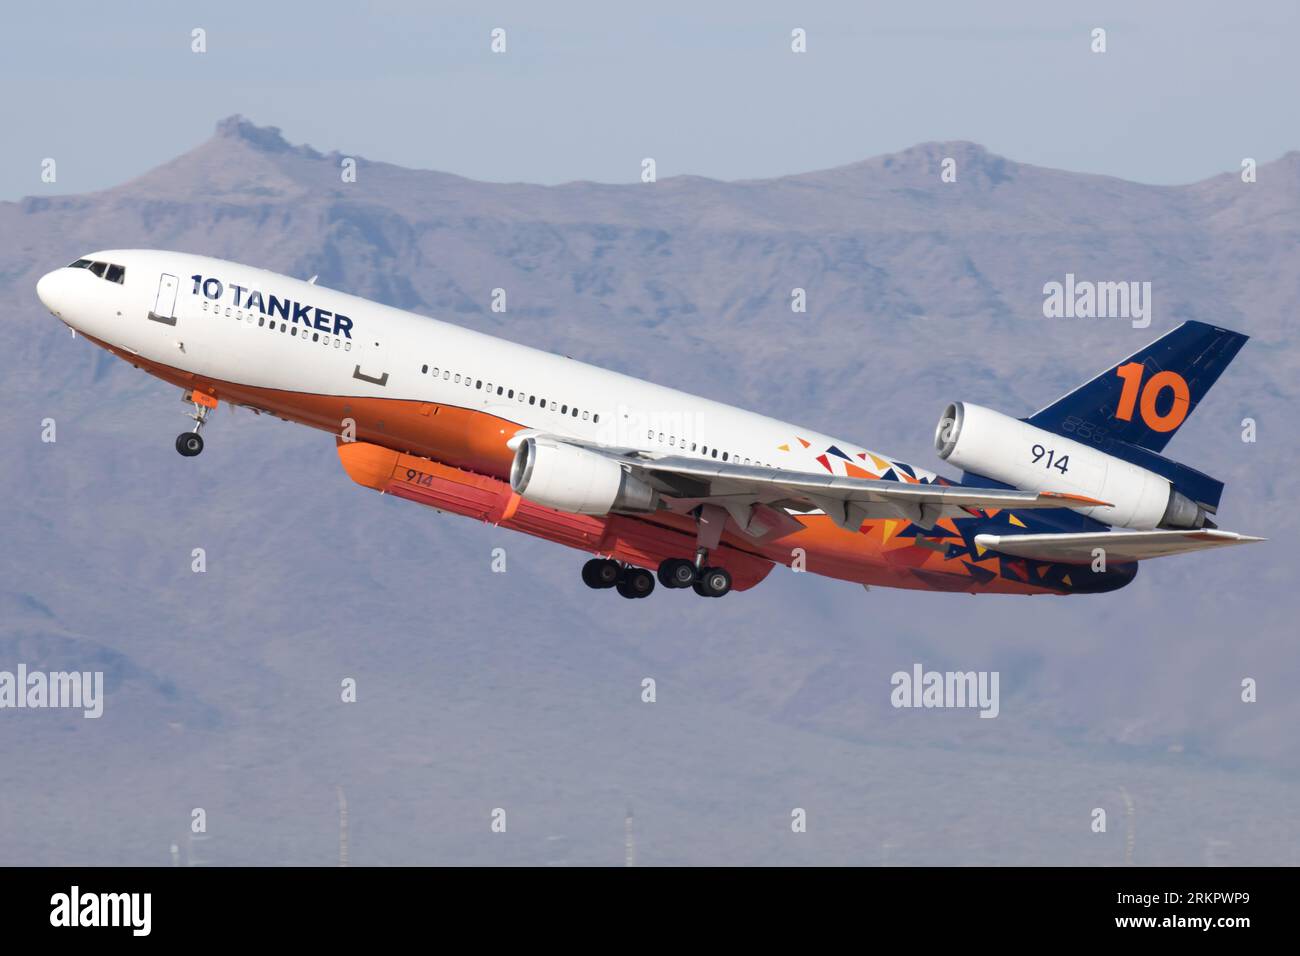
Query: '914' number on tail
[[1061, 464]]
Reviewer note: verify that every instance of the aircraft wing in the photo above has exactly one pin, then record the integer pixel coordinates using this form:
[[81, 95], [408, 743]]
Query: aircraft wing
[[1119, 546], [753, 495]]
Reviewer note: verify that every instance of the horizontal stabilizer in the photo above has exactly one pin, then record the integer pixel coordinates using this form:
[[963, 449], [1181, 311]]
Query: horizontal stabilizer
[[1119, 546]]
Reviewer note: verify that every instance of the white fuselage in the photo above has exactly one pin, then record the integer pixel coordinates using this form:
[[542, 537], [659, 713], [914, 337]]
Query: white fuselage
[[295, 336]]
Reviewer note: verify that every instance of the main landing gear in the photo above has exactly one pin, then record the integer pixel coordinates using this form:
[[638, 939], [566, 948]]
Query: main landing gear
[[633, 582], [601, 573], [190, 443]]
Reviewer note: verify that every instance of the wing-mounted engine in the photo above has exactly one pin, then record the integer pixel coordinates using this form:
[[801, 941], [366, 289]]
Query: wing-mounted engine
[[574, 479], [985, 442]]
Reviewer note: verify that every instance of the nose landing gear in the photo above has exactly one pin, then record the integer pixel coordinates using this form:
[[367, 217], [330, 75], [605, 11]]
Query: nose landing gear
[[190, 443]]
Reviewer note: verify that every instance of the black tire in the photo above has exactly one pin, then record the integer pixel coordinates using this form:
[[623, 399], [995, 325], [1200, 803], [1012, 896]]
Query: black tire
[[636, 583], [601, 573], [713, 582], [676, 573], [189, 444], [589, 573]]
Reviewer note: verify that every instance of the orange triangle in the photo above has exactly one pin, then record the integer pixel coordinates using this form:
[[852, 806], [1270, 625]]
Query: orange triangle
[[802, 442], [853, 471]]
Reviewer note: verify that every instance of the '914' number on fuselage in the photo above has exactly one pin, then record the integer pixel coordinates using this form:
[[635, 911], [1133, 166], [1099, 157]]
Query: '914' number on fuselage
[[1049, 459]]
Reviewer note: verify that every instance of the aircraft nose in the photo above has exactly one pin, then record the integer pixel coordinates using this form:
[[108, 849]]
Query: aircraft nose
[[47, 290]]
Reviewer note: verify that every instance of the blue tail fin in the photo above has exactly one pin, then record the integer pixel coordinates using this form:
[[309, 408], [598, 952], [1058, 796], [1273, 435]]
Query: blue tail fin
[[1145, 399]]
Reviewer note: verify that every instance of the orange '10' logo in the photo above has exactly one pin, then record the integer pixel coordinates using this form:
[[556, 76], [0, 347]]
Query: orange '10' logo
[[1157, 383]]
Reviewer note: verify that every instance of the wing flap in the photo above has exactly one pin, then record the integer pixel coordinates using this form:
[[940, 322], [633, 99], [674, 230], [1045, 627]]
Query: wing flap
[[1119, 546], [725, 480]]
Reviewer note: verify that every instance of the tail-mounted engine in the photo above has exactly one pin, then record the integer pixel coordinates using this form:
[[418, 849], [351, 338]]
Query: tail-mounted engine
[[984, 442]]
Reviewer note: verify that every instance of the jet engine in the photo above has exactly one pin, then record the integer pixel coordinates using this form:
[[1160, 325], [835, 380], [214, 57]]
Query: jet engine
[[988, 443], [569, 478]]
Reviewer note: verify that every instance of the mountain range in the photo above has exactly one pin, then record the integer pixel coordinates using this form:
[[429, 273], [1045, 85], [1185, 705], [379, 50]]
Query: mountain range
[[523, 690]]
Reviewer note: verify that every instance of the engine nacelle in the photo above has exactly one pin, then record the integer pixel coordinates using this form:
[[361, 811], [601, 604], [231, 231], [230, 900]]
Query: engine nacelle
[[573, 479], [997, 446]]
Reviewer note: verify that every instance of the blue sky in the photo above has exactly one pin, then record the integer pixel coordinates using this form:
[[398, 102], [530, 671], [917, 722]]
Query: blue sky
[[585, 91]]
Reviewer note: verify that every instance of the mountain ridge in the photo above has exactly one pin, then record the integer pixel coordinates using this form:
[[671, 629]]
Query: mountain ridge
[[476, 684]]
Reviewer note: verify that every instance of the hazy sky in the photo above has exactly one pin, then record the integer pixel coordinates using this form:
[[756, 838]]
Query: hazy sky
[[586, 90]]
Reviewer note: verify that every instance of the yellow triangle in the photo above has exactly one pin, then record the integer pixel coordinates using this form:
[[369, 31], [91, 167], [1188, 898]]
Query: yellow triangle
[[1015, 521], [980, 549], [890, 528], [782, 447], [882, 465], [1067, 580]]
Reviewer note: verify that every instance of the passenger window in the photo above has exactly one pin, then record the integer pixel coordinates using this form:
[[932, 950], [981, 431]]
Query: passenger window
[[424, 370], [501, 390], [532, 399], [584, 416], [479, 383], [510, 394], [115, 274], [435, 373], [347, 346], [724, 456], [714, 453], [98, 268], [575, 413], [595, 419], [457, 378], [315, 336], [295, 330], [446, 375]]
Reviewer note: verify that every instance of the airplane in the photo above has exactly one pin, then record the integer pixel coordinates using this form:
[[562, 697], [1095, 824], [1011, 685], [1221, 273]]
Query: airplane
[[660, 485]]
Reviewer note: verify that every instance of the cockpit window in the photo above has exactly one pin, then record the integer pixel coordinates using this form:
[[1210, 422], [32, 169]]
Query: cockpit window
[[105, 270]]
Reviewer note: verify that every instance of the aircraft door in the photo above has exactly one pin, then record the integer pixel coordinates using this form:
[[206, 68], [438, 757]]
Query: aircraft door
[[164, 308], [373, 365]]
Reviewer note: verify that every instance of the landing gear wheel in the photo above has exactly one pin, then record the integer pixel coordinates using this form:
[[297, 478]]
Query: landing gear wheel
[[676, 573], [189, 444], [600, 573], [636, 583], [713, 582]]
